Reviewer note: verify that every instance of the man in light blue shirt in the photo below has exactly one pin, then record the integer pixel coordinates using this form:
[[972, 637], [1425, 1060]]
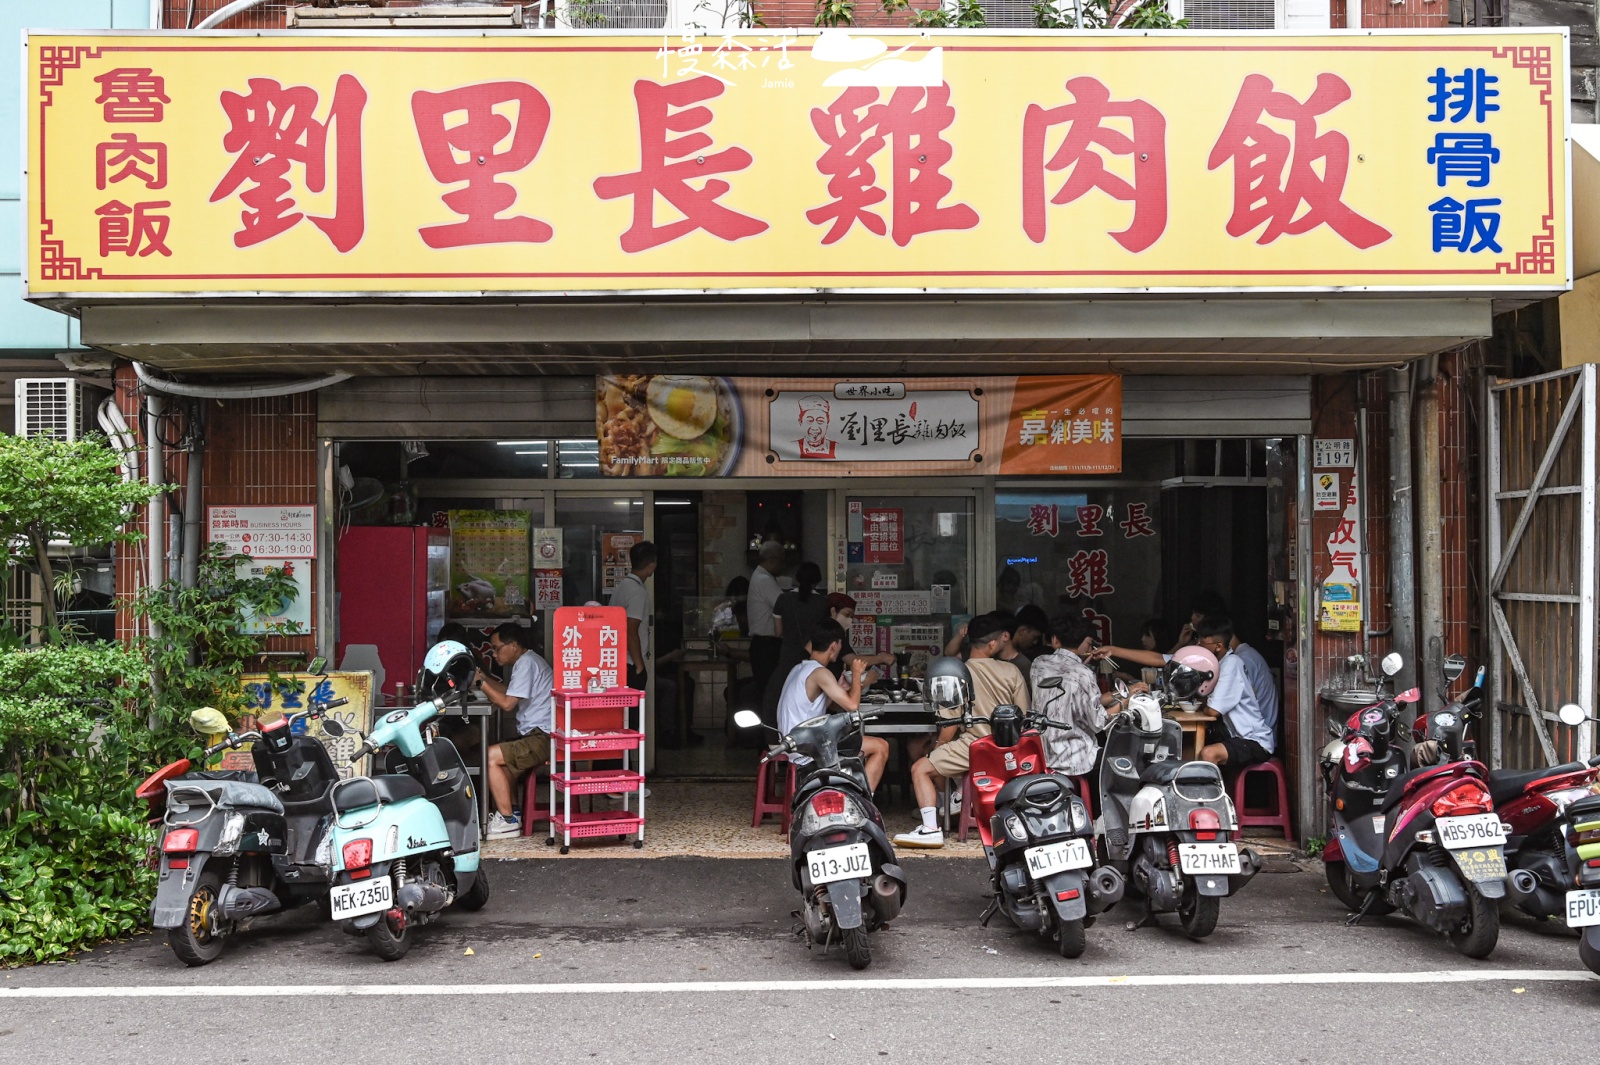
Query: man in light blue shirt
[[1252, 727]]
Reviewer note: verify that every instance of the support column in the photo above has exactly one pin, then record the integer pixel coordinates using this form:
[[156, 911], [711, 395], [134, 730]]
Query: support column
[[1429, 535], [1402, 573]]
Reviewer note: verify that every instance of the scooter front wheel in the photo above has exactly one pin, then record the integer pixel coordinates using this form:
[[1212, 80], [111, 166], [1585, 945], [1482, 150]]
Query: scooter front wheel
[[386, 941], [477, 896], [198, 940], [1588, 955], [1070, 938], [857, 951], [1345, 890]]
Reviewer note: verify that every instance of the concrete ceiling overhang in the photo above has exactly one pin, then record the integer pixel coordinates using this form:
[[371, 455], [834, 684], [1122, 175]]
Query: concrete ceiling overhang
[[934, 334]]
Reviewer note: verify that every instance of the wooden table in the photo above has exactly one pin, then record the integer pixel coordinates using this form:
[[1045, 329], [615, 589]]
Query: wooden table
[[1193, 724]]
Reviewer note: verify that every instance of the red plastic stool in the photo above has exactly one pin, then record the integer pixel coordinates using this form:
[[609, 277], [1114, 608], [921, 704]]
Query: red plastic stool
[[774, 791], [1086, 793], [1275, 815], [969, 820], [537, 784]]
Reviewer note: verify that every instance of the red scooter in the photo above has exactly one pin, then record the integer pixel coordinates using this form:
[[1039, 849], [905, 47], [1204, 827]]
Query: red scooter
[[1426, 842], [1530, 802], [1037, 833]]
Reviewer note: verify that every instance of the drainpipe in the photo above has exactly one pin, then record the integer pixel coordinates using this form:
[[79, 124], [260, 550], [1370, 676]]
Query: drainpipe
[[1430, 534], [247, 390], [156, 474], [193, 497], [223, 14], [1402, 576]]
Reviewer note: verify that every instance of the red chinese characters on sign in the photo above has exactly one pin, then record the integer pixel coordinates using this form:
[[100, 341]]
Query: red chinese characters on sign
[[1136, 522], [1274, 175], [275, 127], [1345, 533], [126, 157], [132, 94], [475, 137], [1089, 574], [590, 649], [668, 164], [1087, 136], [1044, 519], [1089, 519], [855, 127], [135, 230]]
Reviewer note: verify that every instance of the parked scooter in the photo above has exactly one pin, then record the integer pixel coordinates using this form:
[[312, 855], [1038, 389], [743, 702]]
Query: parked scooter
[[1168, 825], [1528, 801], [1426, 842], [1036, 832], [843, 863], [405, 842], [1580, 835], [235, 848]]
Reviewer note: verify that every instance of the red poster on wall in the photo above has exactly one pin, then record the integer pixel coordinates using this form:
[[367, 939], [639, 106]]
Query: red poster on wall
[[589, 648], [884, 534]]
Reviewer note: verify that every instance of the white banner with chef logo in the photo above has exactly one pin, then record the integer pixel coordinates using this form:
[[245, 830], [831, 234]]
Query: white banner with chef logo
[[917, 426]]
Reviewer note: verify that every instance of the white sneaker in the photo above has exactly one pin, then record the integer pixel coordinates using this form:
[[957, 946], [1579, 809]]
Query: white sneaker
[[920, 837], [501, 827]]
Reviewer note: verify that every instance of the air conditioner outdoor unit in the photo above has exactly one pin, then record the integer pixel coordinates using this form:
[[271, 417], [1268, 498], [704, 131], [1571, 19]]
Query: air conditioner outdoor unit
[[1229, 14], [48, 406]]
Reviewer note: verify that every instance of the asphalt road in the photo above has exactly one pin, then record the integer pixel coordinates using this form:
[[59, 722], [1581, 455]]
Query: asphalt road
[[696, 959]]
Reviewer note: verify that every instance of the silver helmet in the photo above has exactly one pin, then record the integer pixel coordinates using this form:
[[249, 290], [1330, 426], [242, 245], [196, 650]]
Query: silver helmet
[[947, 684]]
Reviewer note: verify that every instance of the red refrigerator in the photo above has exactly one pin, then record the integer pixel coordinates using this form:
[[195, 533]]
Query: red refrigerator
[[391, 585]]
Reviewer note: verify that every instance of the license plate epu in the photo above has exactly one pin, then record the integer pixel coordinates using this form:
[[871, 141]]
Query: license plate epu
[[1583, 908]]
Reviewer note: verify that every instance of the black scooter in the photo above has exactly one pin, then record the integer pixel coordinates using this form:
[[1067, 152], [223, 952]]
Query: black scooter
[[844, 865], [234, 849]]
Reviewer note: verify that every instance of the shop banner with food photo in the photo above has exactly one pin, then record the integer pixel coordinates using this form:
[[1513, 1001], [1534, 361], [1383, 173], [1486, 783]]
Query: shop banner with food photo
[[681, 426]]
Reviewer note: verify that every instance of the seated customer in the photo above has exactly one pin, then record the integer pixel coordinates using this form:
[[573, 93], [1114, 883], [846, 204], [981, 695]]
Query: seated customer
[[528, 693], [809, 688], [458, 730], [1078, 703], [1251, 727], [991, 683]]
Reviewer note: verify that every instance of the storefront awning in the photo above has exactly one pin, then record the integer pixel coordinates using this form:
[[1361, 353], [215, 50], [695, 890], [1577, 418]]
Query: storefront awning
[[812, 336]]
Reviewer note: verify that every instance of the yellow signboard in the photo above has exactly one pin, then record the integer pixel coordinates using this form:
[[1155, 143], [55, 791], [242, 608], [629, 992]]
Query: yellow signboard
[[292, 163]]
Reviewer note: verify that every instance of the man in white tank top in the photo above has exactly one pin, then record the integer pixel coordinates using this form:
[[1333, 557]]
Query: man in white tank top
[[810, 687]]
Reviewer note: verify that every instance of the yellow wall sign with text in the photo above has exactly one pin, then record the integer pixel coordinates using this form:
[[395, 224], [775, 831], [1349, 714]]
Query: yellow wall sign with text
[[795, 160]]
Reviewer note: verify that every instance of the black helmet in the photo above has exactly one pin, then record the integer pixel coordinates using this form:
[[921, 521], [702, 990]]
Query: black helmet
[[447, 672], [1006, 721], [947, 684], [1184, 682]]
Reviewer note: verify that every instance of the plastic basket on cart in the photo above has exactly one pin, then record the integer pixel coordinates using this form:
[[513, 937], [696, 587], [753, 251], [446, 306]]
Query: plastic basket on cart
[[590, 724]]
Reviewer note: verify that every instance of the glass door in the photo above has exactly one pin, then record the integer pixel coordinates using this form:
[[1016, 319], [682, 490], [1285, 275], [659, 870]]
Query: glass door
[[908, 562]]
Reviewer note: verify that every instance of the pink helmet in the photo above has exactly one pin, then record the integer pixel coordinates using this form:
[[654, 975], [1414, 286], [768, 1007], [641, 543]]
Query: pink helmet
[[1192, 671]]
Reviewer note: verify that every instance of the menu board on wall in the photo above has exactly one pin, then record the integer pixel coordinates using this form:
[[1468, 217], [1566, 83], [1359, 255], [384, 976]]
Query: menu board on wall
[[488, 563]]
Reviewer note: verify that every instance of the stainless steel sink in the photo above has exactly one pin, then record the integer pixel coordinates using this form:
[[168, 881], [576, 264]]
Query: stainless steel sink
[[1355, 699]]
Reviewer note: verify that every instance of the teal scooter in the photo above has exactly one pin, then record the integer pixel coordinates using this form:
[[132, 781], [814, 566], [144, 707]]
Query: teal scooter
[[404, 844]]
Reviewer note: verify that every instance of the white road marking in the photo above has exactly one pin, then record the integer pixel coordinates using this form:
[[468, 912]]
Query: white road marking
[[967, 983]]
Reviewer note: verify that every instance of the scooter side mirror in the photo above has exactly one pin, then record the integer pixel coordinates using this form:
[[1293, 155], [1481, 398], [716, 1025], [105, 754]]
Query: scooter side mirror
[[332, 726], [1121, 687], [1392, 663], [1050, 683], [1572, 714], [317, 666], [747, 719], [1454, 666]]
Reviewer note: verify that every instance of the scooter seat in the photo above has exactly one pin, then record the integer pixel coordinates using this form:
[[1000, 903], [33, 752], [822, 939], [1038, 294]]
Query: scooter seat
[[370, 791], [1173, 771], [225, 794], [1046, 790], [1507, 784]]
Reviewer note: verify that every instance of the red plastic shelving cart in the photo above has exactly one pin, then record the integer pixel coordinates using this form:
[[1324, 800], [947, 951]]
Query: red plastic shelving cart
[[591, 726]]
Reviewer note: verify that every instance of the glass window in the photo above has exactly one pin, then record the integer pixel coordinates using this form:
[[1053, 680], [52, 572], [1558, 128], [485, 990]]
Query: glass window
[[577, 458], [595, 536], [1081, 550], [908, 563]]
